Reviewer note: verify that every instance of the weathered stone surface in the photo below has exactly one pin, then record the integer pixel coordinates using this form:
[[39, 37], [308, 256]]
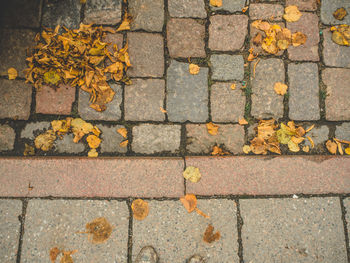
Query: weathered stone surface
[[10, 210], [227, 32], [303, 91], [335, 55], [56, 223], [200, 141], [113, 111], [146, 53], [187, 95], [111, 139], [297, 230], [265, 102], [319, 135], [103, 12], [343, 131], [114, 39], [185, 38], [227, 105], [7, 138], [227, 67], [143, 99], [66, 145], [266, 11], [303, 5], [338, 93], [151, 138], [65, 13], [327, 9], [187, 8], [147, 14], [230, 5], [177, 235], [15, 99], [32, 129]]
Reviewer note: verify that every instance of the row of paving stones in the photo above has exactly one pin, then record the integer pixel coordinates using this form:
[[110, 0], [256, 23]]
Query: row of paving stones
[[258, 230]]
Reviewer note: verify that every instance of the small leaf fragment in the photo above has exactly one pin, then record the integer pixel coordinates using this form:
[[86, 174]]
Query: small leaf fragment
[[93, 153], [123, 132], [293, 147], [311, 141], [246, 149], [233, 86], [45, 140], [162, 110], [280, 88], [291, 13], [54, 252], [340, 13], [212, 128], [331, 146], [194, 69], [189, 201], [310, 128], [12, 73], [192, 174], [28, 150], [209, 236], [216, 3], [67, 256], [306, 148], [124, 143], [140, 209], [347, 150], [99, 230], [242, 121], [93, 141]]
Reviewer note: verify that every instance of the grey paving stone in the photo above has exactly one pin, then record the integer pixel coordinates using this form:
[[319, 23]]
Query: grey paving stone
[[227, 67], [319, 135], [343, 131], [65, 13], [143, 99], [266, 11], [152, 138], [265, 102], [187, 95], [200, 141], [187, 8], [32, 129], [303, 91], [113, 111], [15, 99], [7, 138], [56, 223], [327, 9], [227, 105], [103, 12], [10, 210], [111, 139], [303, 5], [230, 5], [293, 230], [335, 55], [66, 145], [147, 14], [177, 235]]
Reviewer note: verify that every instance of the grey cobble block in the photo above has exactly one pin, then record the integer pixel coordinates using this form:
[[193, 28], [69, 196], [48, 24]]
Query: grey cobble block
[[343, 131], [187, 8], [227, 67], [111, 139], [103, 12], [327, 9], [32, 129], [66, 145], [335, 55], [7, 138], [319, 135], [230, 5], [147, 14], [266, 11], [65, 13], [303, 5]]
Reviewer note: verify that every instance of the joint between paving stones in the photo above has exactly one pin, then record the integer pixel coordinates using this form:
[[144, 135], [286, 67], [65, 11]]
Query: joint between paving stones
[[239, 231], [130, 230], [21, 218], [345, 224]]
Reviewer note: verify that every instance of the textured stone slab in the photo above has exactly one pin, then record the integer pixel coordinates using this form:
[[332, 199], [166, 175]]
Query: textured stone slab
[[177, 235], [327, 9], [65, 13], [101, 177], [113, 111], [147, 14], [66, 145], [258, 175], [114, 39], [187, 8], [227, 32], [265, 102], [319, 136], [7, 138], [185, 38], [10, 226], [151, 138], [335, 55], [231, 5], [111, 139], [338, 93], [343, 131], [303, 5], [295, 230], [187, 95], [146, 55], [227, 105], [308, 25], [15, 99], [303, 91], [103, 12], [227, 67], [32, 129], [266, 11], [63, 219], [200, 141], [143, 99]]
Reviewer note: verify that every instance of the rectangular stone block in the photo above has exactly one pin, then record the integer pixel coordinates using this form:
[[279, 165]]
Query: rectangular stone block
[[65, 13], [334, 55], [147, 14], [111, 139], [187, 8], [227, 67], [230, 5], [7, 138], [266, 11], [303, 5], [106, 12]]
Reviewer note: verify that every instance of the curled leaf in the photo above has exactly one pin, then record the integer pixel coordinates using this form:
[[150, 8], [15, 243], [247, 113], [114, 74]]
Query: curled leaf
[[99, 230], [124, 143], [123, 132], [140, 209], [192, 174], [12, 73], [311, 141], [209, 236], [306, 149], [291, 13]]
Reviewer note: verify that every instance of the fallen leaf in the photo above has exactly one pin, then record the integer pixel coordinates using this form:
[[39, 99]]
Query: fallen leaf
[[251, 55], [140, 209], [54, 252], [341, 35], [347, 150], [280, 88], [233, 86], [246, 149], [45, 140], [298, 39], [218, 151], [291, 13], [93, 141], [28, 150], [258, 146], [124, 143], [162, 110], [340, 13], [311, 142], [257, 40], [209, 236], [242, 121], [300, 131], [298, 140], [192, 174], [309, 129], [52, 77], [189, 201], [123, 132], [96, 131], [212, 128], [99, 230], [194, 69], [93, 153], [12, 73], [216, 3], [245, 9], [306, 149], [331, 146], [340, 148], [125, 25], [82, 1], [293, 147], [67, 256]]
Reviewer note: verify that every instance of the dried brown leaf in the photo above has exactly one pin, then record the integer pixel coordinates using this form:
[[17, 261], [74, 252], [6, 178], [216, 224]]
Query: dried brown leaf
[[292, 13], [209, 236], [54, 252], [340, 13], [257, 40], [140, 209], [99, 230], [67, 256]]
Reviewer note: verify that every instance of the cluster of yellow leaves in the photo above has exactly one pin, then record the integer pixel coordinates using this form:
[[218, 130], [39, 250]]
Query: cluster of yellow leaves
[[78, 58], [140, 209], [340, 13], [335, 146], [292, 13], [341, 35], [192, 174], [66, 255]]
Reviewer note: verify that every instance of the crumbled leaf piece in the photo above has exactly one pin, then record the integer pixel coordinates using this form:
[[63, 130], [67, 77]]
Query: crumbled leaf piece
[[283, 137], [45, 140], [192, 174], [300, 131], [99, 230], [311, 142], [233, 86], [261, 25], [340, 148], [216, 3], [209, 236], [244, 9], [93, 153], [96, 131], [298, 39], [306, 148], [194, 69], [347, 150], [28, 150], [340, 13], [140, 209], [52, 77], [257, 40], [54, 252], [298, 140], [246, 149], [293, 147], [124, 143], [280, 88], [67, 256], [251, 55], [331, 146], [162, 110], [12, 73], [218, 151], [125, 25], [291, 13], [123, 132], [93, 141], [310, 128], [242, 121], [212, 128]]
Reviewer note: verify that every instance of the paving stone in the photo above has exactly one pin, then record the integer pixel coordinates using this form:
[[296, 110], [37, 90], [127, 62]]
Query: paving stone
[[265, 102], [13, 49], [15, 99], [319, 136], [66, 145], [227, 105], [327, 9], [146, 53], [187, 95], [227, 67], [303, 91], [266, 11], [308, 25], [293, 230], [200, 141], [113, 111], [152, 138], [303, 5], [114, 39], [111, 139], [343, 131], [7, 138], [335, 55], [10, 226], [192, 35], [63, 219], [65, 13], [147, 14], [187, 8], [32, 129], [143, 99], [338, 93], [231, 5], [227, 32], [55, 101], [107, 12], [177, 235]]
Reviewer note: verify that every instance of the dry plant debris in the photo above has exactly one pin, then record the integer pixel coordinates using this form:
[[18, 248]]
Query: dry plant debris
[[124, 143], [218, 151], [140, 209], [189, 201], [125, 25], [66, 255], [341, 35], [340, 13], [12, 73], [209, 236], [292, 13], [192, 174], [336, 145], [216, 3], [194, 69], [98, 230], [123, 132], [212, 128], [242, 121], [280, 88], [233, 86]]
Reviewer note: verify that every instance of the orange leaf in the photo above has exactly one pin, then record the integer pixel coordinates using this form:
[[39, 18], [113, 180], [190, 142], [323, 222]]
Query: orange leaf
[[233, 86], [216, 3], [140, 209], [54, 253], [331, 146], [242, 121], [189, 201], [99, 230], [162, 110], [123, 132], [212, 128], [12, 73], [93, 141], [194, 69], [209, 236], [124, 143]]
